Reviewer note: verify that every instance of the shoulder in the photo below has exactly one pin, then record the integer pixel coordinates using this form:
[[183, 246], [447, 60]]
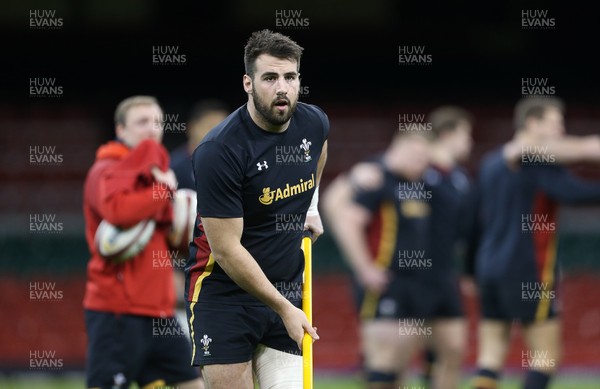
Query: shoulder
[[310, 110], [367, 176], [493, 160], [229, 136], [229, 129], [313, 115]]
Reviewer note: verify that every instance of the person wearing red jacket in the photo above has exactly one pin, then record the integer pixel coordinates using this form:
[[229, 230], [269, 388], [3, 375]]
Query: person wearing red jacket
[[129, 305]]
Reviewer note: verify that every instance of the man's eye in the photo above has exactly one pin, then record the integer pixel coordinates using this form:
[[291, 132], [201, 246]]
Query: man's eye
[[270, 78], [290, 78]]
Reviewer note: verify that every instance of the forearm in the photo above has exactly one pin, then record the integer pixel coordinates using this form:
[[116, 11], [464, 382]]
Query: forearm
[[576, 149], [128, 208], [567, 149], [243, 269]]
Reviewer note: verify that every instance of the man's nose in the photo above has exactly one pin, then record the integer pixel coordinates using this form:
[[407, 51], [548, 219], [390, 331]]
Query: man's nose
[[281, 88]]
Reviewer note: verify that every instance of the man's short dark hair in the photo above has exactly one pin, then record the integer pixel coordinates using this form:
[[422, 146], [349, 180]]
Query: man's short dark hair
[[535, 107], [203, 107], [272, 43], [447, 118]]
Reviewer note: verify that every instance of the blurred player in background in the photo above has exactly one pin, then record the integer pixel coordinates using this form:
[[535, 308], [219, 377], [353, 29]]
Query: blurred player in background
[[124, 299], [452, 240], [205, 115], [258, 168], [516, 260], [379, 215]]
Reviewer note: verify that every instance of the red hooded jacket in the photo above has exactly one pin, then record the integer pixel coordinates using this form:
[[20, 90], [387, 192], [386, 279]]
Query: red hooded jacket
[[119, 189]]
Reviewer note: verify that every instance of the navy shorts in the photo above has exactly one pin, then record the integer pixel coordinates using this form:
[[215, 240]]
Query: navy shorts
[[509, 300], [229, 333], [407, 297], [127, 348]]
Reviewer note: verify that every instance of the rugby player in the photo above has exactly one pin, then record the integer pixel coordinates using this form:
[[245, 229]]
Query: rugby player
[[125, 301], [258, 168], [379, 215], [452, 240], [517, 252]]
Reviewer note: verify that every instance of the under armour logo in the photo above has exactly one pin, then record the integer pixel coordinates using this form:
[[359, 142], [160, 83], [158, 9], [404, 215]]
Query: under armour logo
[[262, 165]]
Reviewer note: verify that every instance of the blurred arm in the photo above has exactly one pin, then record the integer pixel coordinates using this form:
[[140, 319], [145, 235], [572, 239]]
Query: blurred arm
[[563, 186], [126, 209], [348, 222], [567, 149]]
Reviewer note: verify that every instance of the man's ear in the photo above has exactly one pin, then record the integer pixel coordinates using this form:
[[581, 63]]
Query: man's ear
[[247, 82], [530, 123], [119, 130]]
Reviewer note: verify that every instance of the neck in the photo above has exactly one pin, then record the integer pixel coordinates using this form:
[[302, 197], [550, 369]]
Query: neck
[[442, 157], [261, 122]]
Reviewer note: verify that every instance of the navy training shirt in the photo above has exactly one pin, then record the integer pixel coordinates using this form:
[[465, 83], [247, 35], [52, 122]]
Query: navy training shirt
[[268, 179], [453, 215], [399, 226], [517, 212]]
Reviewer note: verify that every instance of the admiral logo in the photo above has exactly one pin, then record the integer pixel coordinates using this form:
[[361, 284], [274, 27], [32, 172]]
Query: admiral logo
[[269, 196]]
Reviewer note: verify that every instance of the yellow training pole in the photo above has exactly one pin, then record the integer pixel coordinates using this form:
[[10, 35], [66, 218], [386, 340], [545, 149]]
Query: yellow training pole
[[307, 341]]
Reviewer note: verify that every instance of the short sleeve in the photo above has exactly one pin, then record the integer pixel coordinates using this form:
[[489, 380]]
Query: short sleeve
[[369, 199], [219, 180], [324, 121]]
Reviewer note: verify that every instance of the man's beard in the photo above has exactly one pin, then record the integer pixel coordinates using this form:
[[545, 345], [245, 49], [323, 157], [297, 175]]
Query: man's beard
[[270, 113]]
